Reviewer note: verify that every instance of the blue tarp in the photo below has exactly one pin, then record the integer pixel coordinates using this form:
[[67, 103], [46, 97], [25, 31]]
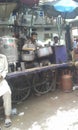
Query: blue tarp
[[65, 5]]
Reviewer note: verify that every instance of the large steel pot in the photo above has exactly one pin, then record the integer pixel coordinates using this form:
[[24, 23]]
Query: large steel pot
[[27, 57], [8, 47], [42, 52]]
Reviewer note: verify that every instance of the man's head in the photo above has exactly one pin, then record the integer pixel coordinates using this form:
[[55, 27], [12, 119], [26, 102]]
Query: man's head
[[56, 38], [33, 36]]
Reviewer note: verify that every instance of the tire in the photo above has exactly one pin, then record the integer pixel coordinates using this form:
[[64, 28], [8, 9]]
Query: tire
[[42, 82], [1, 106], [21, 88]]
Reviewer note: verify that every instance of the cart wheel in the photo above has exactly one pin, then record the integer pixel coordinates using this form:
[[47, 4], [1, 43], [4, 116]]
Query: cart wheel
[[42, 82], [20, 89], [1, 106], [21, 95]]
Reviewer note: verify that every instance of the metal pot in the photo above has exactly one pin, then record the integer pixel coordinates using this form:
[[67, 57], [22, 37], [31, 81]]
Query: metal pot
[[8, 47], [27, 57], [42, 52]]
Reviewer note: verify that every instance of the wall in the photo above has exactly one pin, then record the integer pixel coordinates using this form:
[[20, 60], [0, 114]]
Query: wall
[[44, 33], [41, 33]]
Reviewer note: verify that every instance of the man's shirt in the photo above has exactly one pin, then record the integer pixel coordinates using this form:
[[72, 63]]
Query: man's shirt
[[4, 87], [3, 65]]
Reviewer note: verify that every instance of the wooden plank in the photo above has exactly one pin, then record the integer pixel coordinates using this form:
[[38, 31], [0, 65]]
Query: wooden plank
[[38, 69]]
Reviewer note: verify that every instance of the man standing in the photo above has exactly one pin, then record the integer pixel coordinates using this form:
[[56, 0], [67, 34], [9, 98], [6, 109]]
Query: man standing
[[31, 42], [29, 48], [56, 40], [5, 91]]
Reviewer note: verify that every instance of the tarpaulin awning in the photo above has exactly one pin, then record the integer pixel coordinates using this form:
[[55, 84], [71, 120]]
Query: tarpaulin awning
[[49, 8], [3, 1], [65, 5], [30, 2]]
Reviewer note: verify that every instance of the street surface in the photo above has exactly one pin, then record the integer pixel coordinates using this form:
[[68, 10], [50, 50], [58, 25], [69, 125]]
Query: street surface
[[53, 111]]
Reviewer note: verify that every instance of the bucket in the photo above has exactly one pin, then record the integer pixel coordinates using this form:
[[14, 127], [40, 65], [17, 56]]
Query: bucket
[[66, 82]]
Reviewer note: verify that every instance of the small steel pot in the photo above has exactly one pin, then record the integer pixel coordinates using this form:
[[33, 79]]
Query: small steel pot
[[27, 57], [42, 52]]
